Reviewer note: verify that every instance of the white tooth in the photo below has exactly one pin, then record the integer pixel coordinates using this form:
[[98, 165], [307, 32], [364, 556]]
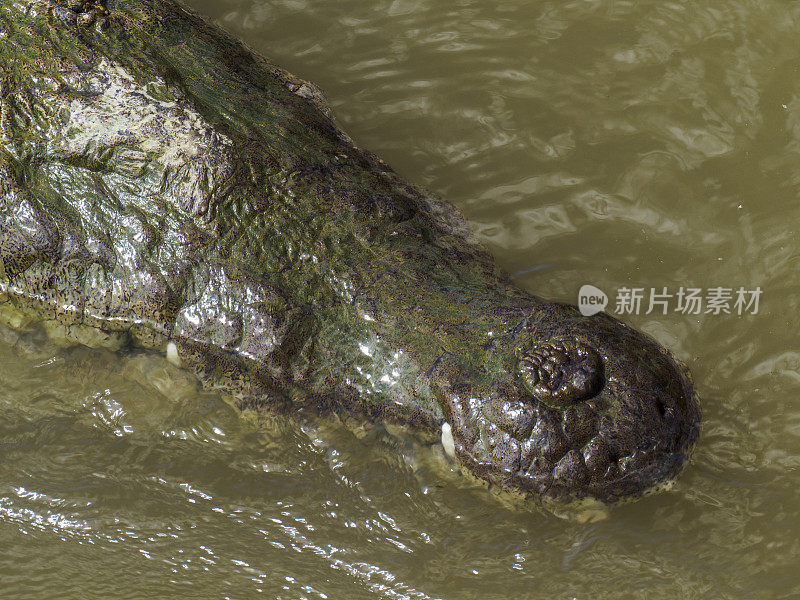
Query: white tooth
[[172, 354], [447, 440]]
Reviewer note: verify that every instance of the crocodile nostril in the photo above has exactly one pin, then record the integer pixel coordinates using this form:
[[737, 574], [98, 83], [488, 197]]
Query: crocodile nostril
[[559, 374], [662, 409]]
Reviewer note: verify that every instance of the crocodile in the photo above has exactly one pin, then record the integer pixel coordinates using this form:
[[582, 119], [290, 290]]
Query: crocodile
[[164, 187]]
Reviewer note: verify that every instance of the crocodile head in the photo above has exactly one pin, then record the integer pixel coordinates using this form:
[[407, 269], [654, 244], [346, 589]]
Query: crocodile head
[[576, 407], [160, 184]]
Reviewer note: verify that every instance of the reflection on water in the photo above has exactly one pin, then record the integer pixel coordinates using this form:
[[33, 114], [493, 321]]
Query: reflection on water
[[616, 143]]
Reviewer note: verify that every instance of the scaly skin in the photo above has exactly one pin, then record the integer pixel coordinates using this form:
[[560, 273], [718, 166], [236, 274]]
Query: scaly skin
[[159, 183]]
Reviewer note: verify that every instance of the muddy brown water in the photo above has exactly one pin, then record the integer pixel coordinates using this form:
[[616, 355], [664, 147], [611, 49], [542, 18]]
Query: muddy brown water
[[613, 143]]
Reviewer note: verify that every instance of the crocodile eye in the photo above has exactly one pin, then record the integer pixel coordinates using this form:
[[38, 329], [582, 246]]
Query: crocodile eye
[[560, 373]]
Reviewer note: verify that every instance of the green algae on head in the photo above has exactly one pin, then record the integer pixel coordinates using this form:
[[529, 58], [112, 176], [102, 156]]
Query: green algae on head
[[163, 186]]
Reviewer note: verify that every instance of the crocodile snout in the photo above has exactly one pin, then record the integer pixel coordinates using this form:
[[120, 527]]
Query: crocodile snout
[[589, 408]]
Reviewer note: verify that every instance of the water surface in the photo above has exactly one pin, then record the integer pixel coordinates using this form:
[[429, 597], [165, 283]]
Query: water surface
[[623, 144]]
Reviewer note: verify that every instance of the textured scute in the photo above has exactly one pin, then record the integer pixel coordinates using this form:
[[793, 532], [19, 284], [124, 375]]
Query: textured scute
[[161, 185]]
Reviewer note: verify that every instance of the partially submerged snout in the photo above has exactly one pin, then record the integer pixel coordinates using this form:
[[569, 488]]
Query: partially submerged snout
[[590, 408]]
